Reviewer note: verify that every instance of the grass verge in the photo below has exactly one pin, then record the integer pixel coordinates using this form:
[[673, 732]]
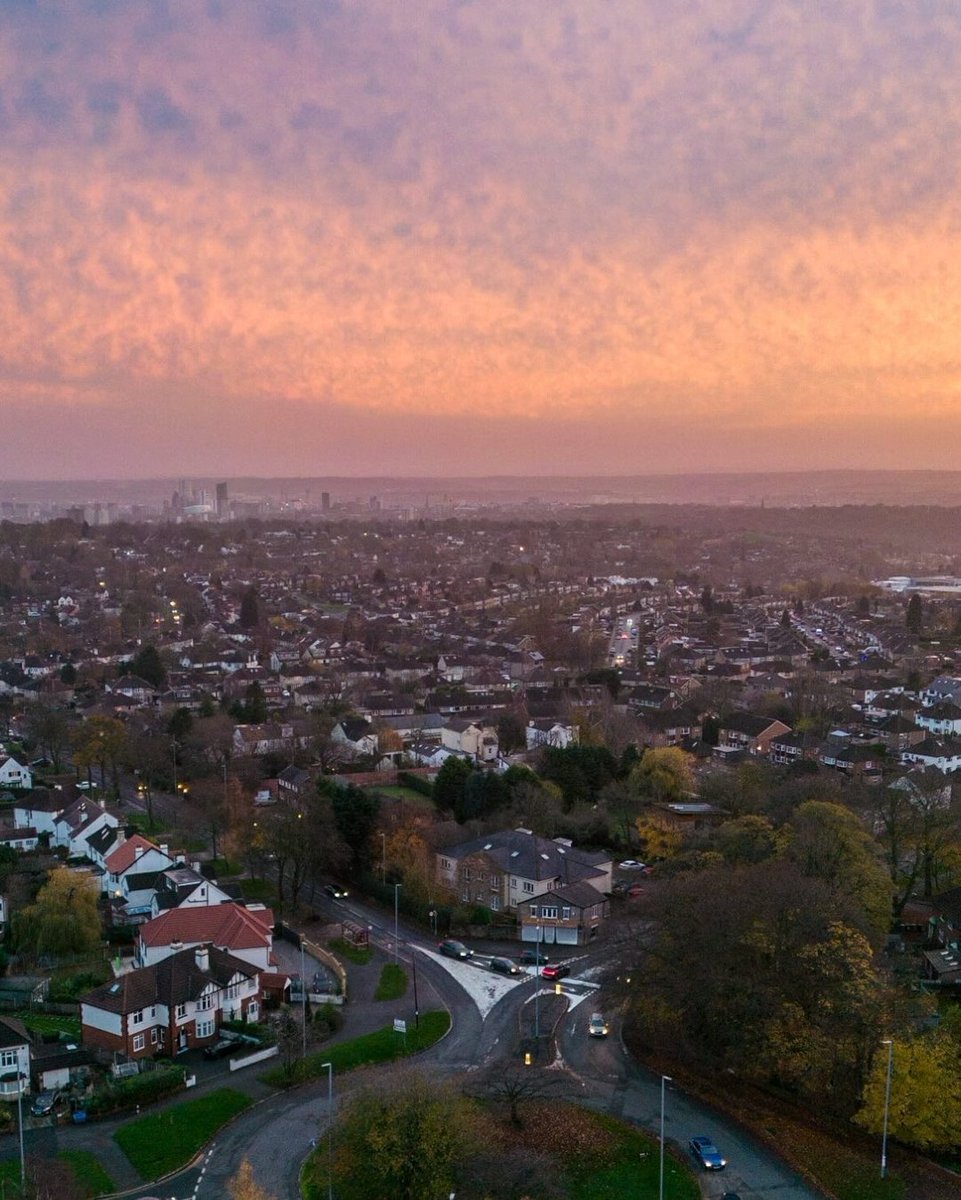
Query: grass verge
[[50, 1023], [355, 954], [371, 1048], [88, 1173], [166, 1140], [608, 1160], [393, 982]]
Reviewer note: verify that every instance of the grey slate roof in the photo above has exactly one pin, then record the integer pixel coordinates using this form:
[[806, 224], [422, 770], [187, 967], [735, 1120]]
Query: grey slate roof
[[524, 854]]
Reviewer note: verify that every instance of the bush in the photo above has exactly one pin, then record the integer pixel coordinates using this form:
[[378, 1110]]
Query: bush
[[147, 1088], [416, 783], [72, 987], [328, 1020]]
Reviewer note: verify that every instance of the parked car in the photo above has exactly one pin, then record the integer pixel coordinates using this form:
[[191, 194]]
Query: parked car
[[45, 1103], [634, 890], [533, 955], [555, 971], [597, 1026], [631, 864], [453, 949], [220, 1048], [707, 1154], [504, 966], [335, 891]]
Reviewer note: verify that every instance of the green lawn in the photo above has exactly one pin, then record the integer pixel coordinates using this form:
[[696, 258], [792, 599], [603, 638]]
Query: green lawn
[[368, 1050], [167, 1140], [392, 984], [50, 1023], [261, 891], [355, 954], [397, 792], [88, 1172], [628, 1168]]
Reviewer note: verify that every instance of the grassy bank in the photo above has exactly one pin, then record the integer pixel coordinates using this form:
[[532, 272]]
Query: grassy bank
[[167, 1140]]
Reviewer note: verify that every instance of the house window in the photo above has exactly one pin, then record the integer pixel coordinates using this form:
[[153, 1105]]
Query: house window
[[205, 1029], [495, 903], [253, 1010], [137, 1018], [445, 864], [534, 911], [565, 914], [528, 887], [9, 1058], [205, 1002], [549, 912], [138, 1042], [181, 1010], [153, 1037]]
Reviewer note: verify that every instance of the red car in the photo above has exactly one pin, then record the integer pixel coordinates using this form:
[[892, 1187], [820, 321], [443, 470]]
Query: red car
[[555, 971]]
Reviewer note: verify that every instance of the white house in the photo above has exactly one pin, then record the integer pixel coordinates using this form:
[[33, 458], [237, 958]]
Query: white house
[[477, 738], [547, 732], [13, 774]]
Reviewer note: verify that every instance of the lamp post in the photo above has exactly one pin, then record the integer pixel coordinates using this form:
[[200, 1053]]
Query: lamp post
[[537, 989], [383, 858], [397, 887], [329, 1067], [23, 1162], [887, 1106], [303, 994], [665, 1079]]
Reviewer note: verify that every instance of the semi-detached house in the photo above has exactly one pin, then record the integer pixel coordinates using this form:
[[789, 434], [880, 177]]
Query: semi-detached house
[[173, 1005]]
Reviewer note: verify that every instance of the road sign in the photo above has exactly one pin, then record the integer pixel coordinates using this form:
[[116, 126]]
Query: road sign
[[400, 1025]]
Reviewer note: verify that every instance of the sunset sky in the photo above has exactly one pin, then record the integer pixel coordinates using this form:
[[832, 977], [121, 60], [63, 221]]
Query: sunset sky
[[478, 236]]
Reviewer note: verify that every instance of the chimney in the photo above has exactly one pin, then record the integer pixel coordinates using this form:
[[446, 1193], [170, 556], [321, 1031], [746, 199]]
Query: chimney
[[137, 852], [121, 837], [176, 946], [164, 850], [202, 956], [182, 859]]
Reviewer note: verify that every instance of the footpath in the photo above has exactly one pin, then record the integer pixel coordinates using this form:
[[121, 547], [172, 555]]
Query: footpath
[[362, 1014]]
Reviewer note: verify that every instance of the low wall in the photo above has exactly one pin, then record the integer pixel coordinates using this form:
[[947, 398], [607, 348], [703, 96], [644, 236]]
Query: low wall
[[328, 959], [238, 1064]]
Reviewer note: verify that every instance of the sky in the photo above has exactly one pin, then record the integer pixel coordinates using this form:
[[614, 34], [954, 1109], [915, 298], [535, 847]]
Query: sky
[[408, 237]]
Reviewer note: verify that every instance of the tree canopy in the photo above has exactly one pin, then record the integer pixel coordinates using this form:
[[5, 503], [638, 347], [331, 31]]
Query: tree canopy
[[63, 919]]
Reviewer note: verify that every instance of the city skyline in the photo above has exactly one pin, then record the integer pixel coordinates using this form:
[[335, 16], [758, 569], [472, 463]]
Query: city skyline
[[311, 238]]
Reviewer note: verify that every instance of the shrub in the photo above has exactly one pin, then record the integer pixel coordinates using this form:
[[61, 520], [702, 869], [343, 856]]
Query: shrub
[[119, 1094], [328, 1020], [416, 783]]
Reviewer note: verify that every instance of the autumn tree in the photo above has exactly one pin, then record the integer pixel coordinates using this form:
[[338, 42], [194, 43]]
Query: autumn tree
[[663, 775], [925, 1107], [243, 1186], [64, 918], [660, 837], [517, 1088], [829, 842], [46, 729], [404, 1138], [101, 740], [747, 839], [785, 989]]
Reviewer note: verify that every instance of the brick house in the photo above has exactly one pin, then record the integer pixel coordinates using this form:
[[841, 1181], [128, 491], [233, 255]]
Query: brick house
[[246, 933], [170, 1006], [504, 870], [569, 916], [750, 733]]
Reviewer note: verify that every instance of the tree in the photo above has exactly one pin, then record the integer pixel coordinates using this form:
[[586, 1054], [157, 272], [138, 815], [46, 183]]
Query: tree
[[181, 723], [355, 817], [752, 969], [243, 1186], [925, 1108], [518, 1087], [913, 615], [404, 1141], [148, 664], [64, 918], [829, 842], [484, 793], [251, 609], [46, 728], [511, 734], [747, 839], [659, 836], [450, 783], [255, 710], [101, 740], [663, 775]]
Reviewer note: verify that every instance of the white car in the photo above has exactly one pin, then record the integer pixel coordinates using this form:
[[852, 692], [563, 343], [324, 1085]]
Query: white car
[[597, 1026], [631, 864]]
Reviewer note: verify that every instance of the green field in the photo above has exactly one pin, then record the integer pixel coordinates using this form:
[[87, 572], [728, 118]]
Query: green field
[[392, 984]]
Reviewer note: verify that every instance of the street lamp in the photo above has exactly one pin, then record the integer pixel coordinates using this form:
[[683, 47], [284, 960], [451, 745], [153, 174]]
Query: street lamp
[[329, 1067], [665, 1079], [383, 858], [887, 1106], [397, 887], [23, 1164], [537, 988]]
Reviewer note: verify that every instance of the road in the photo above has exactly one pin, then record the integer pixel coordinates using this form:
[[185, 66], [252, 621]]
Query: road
[[276, 1136]]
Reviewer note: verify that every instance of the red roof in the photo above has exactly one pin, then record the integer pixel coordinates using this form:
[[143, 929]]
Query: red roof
[[126, 855], [226, 925]]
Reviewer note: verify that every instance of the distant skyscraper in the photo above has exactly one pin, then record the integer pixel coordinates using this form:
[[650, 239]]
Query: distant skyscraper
[[221, 500], [325, 501]]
